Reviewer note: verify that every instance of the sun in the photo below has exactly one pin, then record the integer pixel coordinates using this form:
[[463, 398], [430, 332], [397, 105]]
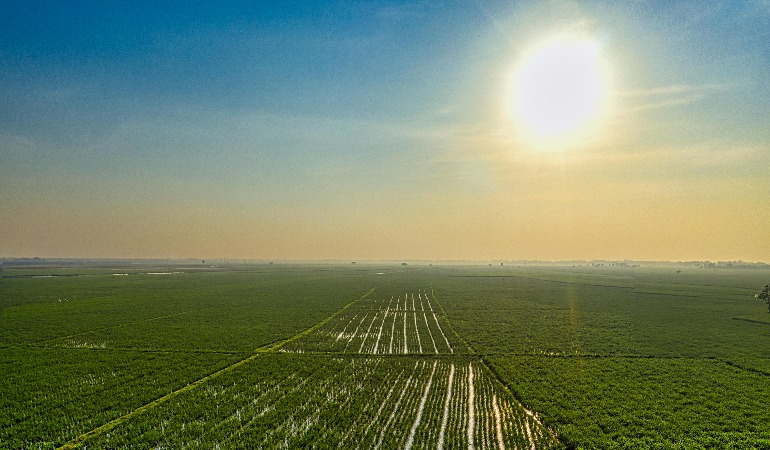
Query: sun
[[560, 92]]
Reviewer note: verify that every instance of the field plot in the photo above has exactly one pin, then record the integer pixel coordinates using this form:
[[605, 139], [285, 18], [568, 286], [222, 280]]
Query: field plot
[[645, 358], [524, 311], [49, 396], [292, 401], [401, 323], [228, 310], [644, 402], [340, 357]]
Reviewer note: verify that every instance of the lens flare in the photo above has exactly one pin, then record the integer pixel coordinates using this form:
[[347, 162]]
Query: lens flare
[[561, 90]]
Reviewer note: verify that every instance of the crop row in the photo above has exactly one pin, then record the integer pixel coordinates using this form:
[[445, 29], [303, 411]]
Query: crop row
[[225, 311], [521, 314], [81, 389], [294, 401], [409, 323], [673, 402]]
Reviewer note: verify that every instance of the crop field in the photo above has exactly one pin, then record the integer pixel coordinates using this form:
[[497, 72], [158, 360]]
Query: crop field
[[382, 356], [405, 323], [295, 401]]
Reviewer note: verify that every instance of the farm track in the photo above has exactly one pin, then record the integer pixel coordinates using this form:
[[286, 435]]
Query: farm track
[[457, 392], [450, 389], [75, 443], [652, 365], [415, 337]]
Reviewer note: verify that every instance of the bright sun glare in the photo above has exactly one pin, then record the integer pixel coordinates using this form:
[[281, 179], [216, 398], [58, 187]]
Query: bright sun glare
[[560, 92]]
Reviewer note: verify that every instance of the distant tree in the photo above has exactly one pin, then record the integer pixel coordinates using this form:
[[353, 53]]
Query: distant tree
[[765, 296]]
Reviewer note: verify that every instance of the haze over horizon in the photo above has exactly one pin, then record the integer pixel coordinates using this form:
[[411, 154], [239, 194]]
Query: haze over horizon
[[384, 130]]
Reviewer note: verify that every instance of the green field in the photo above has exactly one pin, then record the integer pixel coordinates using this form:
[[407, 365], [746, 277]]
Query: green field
[[383, 356]]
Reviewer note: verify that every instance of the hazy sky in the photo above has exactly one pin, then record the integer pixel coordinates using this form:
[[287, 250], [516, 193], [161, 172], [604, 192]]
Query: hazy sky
[[377, 130]]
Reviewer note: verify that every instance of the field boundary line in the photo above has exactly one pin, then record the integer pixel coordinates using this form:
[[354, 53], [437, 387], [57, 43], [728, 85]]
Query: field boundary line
[[272, 347], [457, 335], [495, 375], [740, 366], [115, 422], [502, 384], [743, 319], [280, 344]]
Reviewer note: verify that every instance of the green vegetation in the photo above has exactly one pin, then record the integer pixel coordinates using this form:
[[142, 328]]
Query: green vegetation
[[765, 296], [50, 396], [615, 402], [352, 402], [391, 356], [625, 358]]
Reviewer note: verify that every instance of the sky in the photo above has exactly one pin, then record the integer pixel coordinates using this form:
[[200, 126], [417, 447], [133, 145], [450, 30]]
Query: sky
[[367, 130]]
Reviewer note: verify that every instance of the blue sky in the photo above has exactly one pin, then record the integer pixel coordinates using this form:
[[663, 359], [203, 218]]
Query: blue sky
[[366, 130]]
